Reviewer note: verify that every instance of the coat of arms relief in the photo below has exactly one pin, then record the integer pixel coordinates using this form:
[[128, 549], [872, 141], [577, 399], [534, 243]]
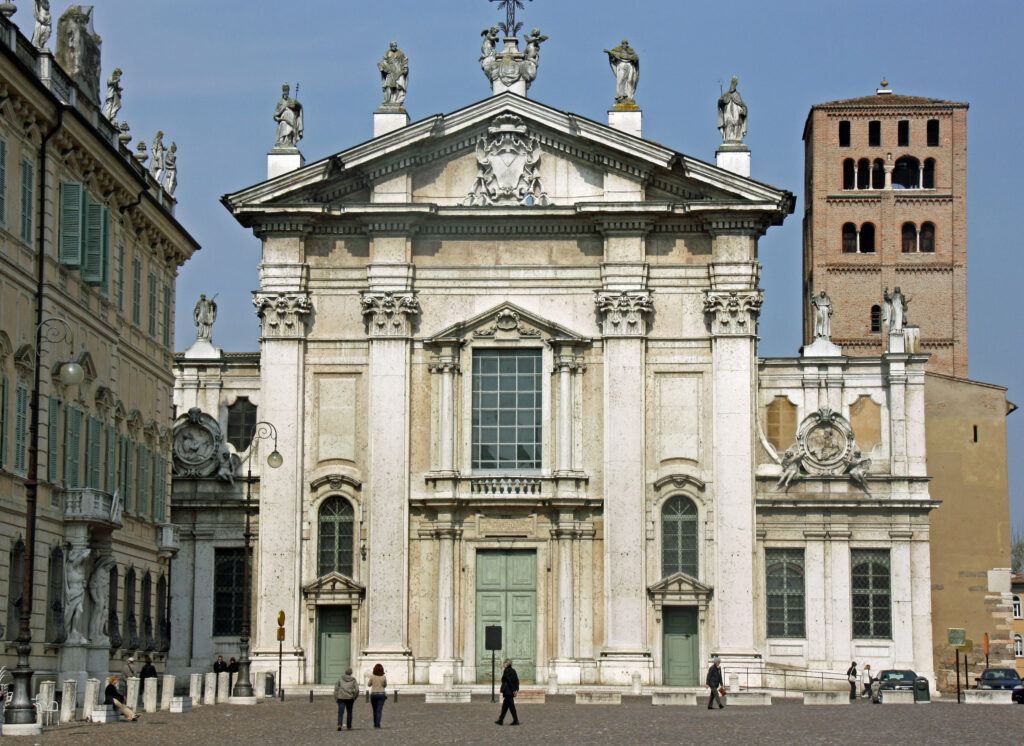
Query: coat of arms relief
[[508, 166], [825, 446]]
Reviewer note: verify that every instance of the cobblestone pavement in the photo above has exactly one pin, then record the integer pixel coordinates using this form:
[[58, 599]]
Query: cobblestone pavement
[[560, 721]]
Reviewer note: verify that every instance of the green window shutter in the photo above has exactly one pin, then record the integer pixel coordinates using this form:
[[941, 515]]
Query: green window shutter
[[143, 481], [20, 428], [27, 184], [92, 264], [105, 253], [136, 292], [111, 460], [120, 279], [129, 476], [167, 315], [73, 477], [70, 247], [152, 304], [3, 422], [95, 434], [52, 439], [158, 482], [3, 182]]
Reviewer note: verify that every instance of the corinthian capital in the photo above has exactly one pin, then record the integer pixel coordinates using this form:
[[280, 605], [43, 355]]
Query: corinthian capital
[[733, 312], [388, 313], [623, 313], [283, 314]]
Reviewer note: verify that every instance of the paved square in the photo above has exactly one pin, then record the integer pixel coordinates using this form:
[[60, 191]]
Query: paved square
[[559, 721]]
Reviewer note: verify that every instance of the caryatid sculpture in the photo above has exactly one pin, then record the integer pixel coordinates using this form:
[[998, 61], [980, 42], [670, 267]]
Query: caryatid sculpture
[[732, 115], [74, 593], [204, 314], [394, 77], [44, 24], [112, 104], [626, 65], [288, 116], [99, 593], [822, 305]]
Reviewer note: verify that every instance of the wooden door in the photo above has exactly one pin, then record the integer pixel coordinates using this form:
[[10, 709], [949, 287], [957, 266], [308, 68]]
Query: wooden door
[[681, 646], [334, 642], [506, 596]]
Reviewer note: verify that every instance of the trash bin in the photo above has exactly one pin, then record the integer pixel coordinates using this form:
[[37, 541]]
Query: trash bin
[[268, 687], [921, 691]]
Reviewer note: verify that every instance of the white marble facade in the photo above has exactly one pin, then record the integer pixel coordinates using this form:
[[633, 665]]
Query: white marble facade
[[630, 272]]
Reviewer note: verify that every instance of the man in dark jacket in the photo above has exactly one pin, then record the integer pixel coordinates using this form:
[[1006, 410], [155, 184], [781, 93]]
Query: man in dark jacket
[[509, 689], [714, 680], [219, 666], [148, 670]]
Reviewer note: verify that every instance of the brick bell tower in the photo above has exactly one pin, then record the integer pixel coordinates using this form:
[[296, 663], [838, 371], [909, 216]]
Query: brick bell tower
[[886, 205]]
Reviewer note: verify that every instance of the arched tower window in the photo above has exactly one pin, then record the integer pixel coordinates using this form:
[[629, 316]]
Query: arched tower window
[[928, 237], [928, 177], [909, 238], [863, 173], [55, 632], [906, 173], [876, 318], [867, 238], [679, 537], [1018, 645], [849, 174], [878, 174], [241, 421], [336, 537], [1017, 607], [849, 238]]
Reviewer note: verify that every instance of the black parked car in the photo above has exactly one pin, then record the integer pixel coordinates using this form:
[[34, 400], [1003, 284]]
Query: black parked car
[[891, 678], [999, 678]]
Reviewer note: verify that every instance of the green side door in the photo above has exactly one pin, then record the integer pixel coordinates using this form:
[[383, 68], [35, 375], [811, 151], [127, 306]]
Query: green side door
[[681, 646], [506, 596], [334, 642]]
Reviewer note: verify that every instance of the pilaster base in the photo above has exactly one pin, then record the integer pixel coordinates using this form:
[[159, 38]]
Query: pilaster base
[[398, 666], [565, 670], [617, 668], [436, 670], [22, 729]]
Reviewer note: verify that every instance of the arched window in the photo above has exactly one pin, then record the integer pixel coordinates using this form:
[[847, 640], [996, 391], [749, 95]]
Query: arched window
[[1016, 608], [867, 238], [863, 173], [163, 637], [55, 632], [15, 584], [928, 237], [928, 177], [849, 238], [878, 174], [849, 174], [906, 173], [131, 629], [335, 536], [1018, 645], [241, 421], [113, 628], [909, 238], [679, 537], [147, 612], [876, 318]]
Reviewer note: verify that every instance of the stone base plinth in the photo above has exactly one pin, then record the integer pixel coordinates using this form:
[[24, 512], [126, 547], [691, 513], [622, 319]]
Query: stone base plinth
[[626, 120], [439, 670], [449, 697], [397, 664], [22, 729], [565, 671], [181, 704], [673, 698], [102, 714], [988, 697], [385, 121], [822, 347], [530, 697], [243, 700], [617, 669], [897, 697], [598, 697], [826, 698], [746, 699], [282, 160], [735, 158]]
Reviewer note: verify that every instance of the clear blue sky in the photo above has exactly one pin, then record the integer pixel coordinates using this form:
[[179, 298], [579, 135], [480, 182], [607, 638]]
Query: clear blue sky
[[208, 73]]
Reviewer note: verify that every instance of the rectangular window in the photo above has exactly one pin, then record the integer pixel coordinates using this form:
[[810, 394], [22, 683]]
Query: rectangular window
[[96, 262], [167, 315], [142, 482], [157, 484], [844, 134], [933, 133], [27, 188], [127, 475], [20, 428], [784, 592], [3, 182], [874, 133], [870, 585], [136, 291], [152, 304], [507, 409], [53, 440], [72, 446], [120, 279], [3, 421], [228, 591], [93, 469], [903, 133], [72, 218], [110, 460]]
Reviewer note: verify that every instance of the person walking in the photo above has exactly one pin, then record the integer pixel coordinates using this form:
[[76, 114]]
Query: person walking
[[509, 690], [115, 698], [865, 679], [851, 676], [714, 680], [346, 691], [378, 695]]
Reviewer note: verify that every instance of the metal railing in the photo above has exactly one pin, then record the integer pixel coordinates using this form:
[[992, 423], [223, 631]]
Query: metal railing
[[788, 680]]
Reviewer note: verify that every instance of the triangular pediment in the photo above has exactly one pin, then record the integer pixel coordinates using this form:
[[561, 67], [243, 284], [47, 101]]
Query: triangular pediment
[[680, 584], [580, 160], [506, 321], [334, 583]]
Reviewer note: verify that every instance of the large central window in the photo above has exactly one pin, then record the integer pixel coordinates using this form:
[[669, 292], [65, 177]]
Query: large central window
[[507, 409], [228, 591], [679, 537], [784, 592], [871, 585]]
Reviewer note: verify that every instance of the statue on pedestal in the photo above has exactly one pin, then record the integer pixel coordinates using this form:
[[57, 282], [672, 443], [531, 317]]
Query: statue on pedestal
[[44, 24], [156, 166], [171, 169], [204, 314], [895, 309], [732, 115], [394, 77], [288, 115], [112, 104], [531, 55], [626, 65], [822, 305]]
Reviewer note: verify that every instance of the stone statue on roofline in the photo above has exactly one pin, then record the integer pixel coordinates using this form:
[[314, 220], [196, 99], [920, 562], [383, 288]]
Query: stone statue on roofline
[[822, 305], [394, 77], [288, 115], [171, 169], [112, 104], [78, 49], [732, 115], [625, 63], [157, 149], [44, 24], [895, 309]]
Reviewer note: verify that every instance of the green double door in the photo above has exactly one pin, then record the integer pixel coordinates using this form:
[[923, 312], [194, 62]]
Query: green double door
[[681, 646], [334, 642], [506, 596]]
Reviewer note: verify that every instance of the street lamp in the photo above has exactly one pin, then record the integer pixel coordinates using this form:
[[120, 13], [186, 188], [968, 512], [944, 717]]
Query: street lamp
[[261, 431], [22, 711]]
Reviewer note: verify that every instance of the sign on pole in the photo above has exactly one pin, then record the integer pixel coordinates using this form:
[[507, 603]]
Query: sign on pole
[[957, 636]]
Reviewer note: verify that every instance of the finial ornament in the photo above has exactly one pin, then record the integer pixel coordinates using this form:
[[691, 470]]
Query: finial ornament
[[509, 69], [510, 27], [885, 83]]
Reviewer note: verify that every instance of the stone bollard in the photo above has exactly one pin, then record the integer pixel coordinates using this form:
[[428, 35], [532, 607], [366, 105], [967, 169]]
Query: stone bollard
[[195, 688], [552, 682], [69, 701], [166, 691], [131, 693], [149, 687], [92, 697], [637, 690], [734, 682], [223, 686], [210, 689], [259, 684], [448, 680]]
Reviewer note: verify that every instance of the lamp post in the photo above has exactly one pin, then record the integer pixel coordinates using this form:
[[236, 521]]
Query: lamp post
[[21, 710], [261, 430]]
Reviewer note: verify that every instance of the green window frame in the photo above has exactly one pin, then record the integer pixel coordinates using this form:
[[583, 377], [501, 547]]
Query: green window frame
[[93, 444], [335, 537], [871, 593], [785, 602], [228, 590], [142, 483], [152, 304], [3, 182], [679, 537], [506, 422], [127, 474], [167, 315], [95, 265], [53, 440], [137, 291], [3, 421], [27, 192], [110, 460], [158, 488], [20, 429], [72, 447], [72, 223], [120, 279]]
